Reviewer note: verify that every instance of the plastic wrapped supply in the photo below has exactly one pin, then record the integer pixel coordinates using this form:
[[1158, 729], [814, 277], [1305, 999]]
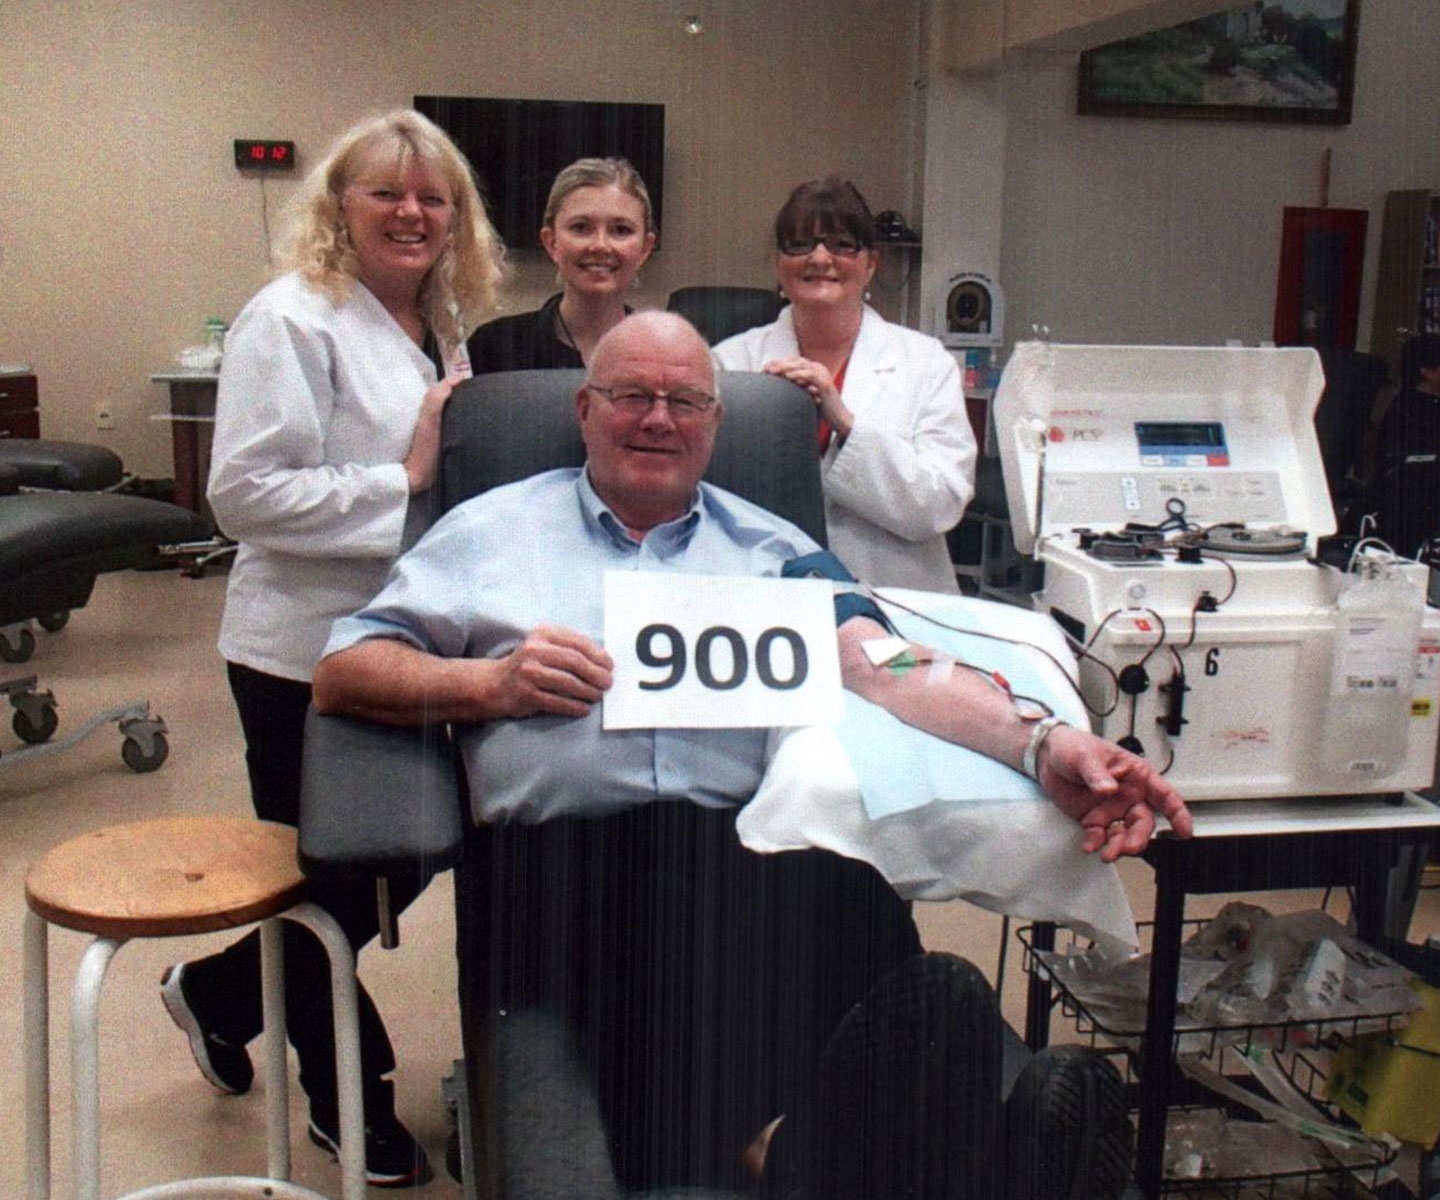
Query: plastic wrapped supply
[[1390, 1082], [1245, 968], [1204, 1145], [1299, 967]]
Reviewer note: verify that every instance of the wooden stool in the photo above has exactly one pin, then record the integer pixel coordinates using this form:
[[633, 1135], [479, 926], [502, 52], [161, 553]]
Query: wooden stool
[[168, 878]]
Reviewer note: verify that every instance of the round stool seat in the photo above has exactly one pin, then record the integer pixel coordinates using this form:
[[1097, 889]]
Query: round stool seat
[[168, 878]]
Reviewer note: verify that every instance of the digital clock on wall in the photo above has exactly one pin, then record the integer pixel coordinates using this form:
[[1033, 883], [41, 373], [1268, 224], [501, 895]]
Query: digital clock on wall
[[272, 156]]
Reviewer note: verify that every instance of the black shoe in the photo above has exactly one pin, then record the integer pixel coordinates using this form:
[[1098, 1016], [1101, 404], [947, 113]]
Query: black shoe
[[393, 1158], [1067, 1128], [909, 1097], [226, 1067]]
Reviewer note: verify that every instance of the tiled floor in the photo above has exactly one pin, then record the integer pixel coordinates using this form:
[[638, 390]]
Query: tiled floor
[[153, 635]]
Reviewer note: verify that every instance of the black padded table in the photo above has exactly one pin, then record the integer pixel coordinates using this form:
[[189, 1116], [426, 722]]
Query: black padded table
[[53, 544], [61, 466]]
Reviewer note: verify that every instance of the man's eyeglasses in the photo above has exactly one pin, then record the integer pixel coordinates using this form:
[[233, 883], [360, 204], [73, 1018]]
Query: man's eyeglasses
[[686, 404], [841, 245]]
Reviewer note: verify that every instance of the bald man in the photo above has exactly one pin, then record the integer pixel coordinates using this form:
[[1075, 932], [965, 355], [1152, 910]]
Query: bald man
[[706, 984]]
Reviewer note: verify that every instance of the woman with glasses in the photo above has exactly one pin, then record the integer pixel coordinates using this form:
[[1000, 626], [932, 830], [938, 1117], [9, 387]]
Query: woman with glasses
[[598, 231], [897, 452]]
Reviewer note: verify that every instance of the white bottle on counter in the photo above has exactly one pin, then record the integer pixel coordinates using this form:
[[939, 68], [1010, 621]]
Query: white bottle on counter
[[215, 337]]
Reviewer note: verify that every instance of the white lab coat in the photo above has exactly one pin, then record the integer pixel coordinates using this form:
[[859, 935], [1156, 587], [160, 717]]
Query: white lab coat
[[316, 411], [906, 472]]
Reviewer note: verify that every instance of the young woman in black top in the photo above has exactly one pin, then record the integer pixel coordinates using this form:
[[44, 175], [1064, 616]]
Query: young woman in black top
[[598, 231]]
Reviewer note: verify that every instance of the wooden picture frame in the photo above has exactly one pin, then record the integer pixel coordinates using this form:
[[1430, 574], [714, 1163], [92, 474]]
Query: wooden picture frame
[[1291, 61]]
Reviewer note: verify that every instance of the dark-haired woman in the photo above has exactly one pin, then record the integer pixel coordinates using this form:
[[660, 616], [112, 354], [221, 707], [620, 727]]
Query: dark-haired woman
[[898, 454]]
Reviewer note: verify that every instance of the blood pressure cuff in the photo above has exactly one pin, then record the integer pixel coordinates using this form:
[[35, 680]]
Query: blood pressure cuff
[[849, 602]]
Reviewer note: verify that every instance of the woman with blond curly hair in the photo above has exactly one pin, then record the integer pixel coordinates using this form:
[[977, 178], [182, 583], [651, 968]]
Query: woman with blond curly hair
[[327, 423]]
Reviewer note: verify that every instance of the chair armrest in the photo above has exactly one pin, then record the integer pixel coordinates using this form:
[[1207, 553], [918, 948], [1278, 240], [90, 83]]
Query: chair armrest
[[378, 800]]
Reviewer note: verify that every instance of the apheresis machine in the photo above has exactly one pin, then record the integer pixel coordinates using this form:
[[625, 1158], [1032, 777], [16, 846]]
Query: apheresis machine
[[1177, 499]]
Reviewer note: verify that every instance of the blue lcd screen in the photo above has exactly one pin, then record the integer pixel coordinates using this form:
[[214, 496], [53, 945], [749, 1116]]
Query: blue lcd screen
[[1182, 444]]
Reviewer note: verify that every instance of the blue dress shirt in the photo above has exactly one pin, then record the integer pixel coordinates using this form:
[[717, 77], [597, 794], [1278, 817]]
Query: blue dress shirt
[[535, 553]]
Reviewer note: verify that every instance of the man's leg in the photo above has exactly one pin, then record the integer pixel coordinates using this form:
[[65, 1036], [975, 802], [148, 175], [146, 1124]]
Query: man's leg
[[750, 961], [908, 1106], [1067, 1128], [701, 982]]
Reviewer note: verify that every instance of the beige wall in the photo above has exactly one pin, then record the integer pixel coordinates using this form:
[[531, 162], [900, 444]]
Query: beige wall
[[124, 223], [980, 33], [1149, 231]]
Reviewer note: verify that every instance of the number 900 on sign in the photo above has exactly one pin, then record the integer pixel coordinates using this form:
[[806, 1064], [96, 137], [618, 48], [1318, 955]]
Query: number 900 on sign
[[663, 647]]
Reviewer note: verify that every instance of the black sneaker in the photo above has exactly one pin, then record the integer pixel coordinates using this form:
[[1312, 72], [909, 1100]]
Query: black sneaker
[[1067, 1128], [393, 1158], [226, 1067], [909, 1097]]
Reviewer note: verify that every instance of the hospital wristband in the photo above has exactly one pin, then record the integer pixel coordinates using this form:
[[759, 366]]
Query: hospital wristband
[[1042, 729]]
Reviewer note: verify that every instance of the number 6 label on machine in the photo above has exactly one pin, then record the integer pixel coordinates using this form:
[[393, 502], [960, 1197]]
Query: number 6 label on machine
[[714, 652]]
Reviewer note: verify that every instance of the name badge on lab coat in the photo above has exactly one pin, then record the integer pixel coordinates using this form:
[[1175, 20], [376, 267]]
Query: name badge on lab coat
[[720, 652]]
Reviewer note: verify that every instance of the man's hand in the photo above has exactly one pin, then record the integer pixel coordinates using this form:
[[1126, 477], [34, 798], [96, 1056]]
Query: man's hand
[[1112, 793], [555, 671]]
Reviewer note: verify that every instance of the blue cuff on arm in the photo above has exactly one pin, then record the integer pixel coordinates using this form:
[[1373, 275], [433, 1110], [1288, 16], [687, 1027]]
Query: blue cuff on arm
[[824, 565]]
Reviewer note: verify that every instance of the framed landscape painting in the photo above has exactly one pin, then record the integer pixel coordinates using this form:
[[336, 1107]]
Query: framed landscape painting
[[1289, 61]]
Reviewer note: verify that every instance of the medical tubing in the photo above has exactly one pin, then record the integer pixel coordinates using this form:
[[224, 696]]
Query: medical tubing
[[1160, 641], [880, 598]]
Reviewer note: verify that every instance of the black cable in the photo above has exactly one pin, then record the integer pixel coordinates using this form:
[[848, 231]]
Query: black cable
[[265, 218], [1234, 578], [1194, 610], [996, 680], [880, 597], [1083, 651], [1160, 621]]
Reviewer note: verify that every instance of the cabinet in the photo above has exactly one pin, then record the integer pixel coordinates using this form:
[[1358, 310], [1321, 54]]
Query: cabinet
[[19, 406], [1407, 289], [192, 420]]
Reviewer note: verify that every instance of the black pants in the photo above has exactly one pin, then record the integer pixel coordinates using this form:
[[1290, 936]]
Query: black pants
[[701, 981], [226, 986]]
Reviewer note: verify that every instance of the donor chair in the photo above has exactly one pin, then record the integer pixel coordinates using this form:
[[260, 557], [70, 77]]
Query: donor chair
[[391, 803], [526, 1130], [720, 312]]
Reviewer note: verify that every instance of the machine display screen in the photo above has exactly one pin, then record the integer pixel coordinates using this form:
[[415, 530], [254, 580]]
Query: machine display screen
[[1182, 444]]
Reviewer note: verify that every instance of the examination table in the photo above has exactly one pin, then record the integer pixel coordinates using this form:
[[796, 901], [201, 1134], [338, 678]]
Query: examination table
[[59, 529]]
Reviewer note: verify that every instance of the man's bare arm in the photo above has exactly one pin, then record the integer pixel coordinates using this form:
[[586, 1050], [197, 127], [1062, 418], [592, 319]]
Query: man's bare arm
[[1112, 794], [554, 671]]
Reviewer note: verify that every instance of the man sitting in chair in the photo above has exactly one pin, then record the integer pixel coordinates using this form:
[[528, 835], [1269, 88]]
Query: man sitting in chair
[[709, 989]]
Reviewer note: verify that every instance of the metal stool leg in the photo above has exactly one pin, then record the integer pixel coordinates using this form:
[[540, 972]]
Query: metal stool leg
[[277, 1086], [347, 1043], [85, 1065], [37, 1058]]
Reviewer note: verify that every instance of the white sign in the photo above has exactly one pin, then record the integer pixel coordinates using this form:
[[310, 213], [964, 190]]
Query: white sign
[[720, 652]]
